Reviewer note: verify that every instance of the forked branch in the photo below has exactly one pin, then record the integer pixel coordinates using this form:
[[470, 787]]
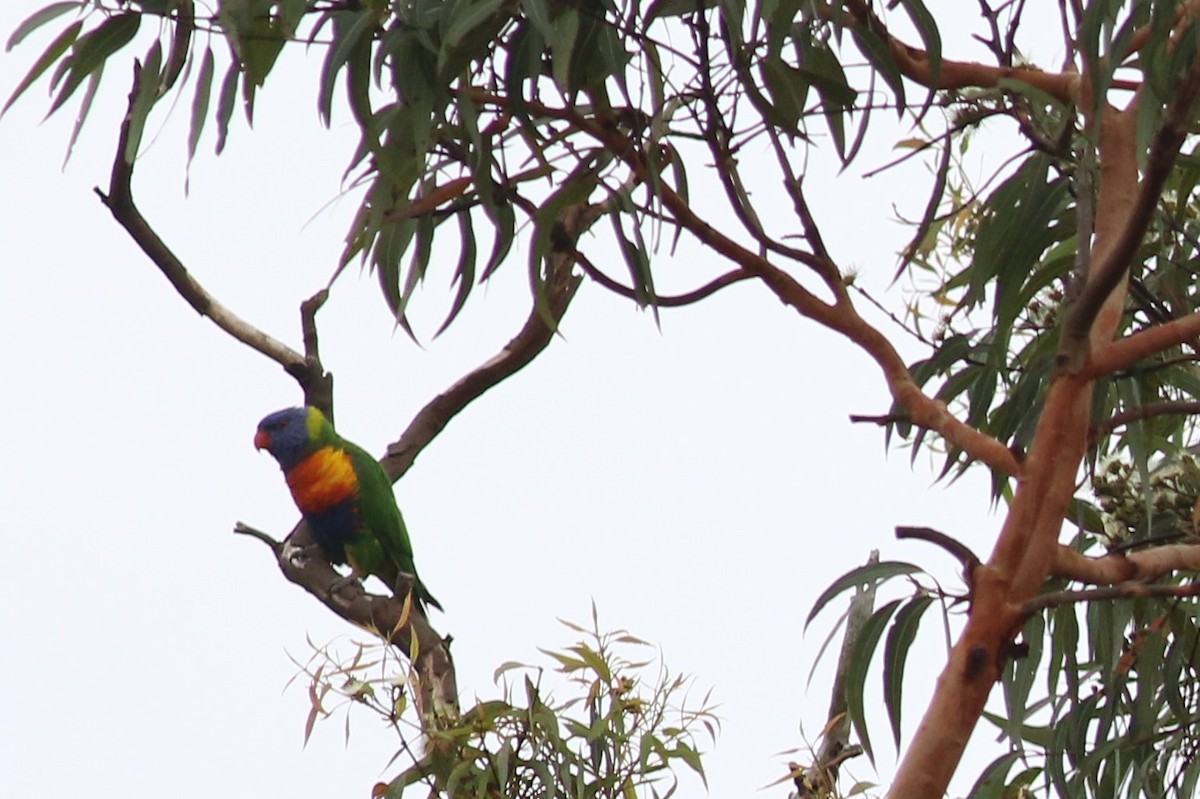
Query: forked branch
[[119, 201]]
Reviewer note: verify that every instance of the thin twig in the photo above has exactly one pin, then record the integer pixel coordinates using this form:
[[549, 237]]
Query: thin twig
[[956, 548], [1132, 590], [1147, 411]]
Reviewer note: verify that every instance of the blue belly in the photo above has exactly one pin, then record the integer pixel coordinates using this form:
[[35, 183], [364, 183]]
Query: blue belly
[[332, 529]]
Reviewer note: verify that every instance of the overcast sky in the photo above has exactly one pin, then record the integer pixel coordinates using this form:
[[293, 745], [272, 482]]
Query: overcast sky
[[701, 484]]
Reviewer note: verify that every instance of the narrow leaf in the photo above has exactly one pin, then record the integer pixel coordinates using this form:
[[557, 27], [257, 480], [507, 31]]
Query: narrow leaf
[[84, 107], [200, 105], [225, 104], [51, 54], [93, 49], [38, 19], [895, 658], [860, 664], [871, 572]]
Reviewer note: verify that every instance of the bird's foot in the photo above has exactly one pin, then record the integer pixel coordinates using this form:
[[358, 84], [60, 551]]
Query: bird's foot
[[344, 582], [299, 555]]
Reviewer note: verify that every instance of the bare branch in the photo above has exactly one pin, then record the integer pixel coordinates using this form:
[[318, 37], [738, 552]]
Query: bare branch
[[245, 529], [956, 548], [883, 421], [535, 335], [1125, 352], [1146, 564], [668, 301], [1147, 411], [119, 201], [915, 64]]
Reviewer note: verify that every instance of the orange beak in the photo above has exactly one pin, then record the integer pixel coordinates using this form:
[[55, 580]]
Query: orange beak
[[262, 439]]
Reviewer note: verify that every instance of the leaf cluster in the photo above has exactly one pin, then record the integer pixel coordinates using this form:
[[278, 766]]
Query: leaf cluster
[[623, 733]]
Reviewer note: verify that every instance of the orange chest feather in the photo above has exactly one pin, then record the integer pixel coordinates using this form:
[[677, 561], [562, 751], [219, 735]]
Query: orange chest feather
[[322, 480]]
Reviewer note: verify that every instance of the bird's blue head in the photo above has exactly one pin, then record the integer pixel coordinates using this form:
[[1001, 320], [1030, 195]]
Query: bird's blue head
[[289, 435]]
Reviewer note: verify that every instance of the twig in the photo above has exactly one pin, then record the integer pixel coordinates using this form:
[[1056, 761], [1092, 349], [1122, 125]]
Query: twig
[[245, 529], [883, 421], [319, 392], [1147, 411], [668, 301], [1130, 590], [958, 549]]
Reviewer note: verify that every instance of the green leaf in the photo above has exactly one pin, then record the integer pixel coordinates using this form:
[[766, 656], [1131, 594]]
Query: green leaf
[[92, 50], [692, 758], [562, 48], [40, 18], [860, 664], [821, 66], [464, 18], [200, 105], [788, 88], [464, 273], [895, 658], [1019, 675], [880, 56], [349, 30], [225, 103], [990, 784], [51, 54], [927, 27], [85, 107], [861, 575]]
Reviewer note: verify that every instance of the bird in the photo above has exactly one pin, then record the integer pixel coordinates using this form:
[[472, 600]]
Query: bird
[[345, 497]]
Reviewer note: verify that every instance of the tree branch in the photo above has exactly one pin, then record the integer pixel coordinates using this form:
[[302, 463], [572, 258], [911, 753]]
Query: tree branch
[[841, 317], [1130, 590], [1104, 277], [535, 335], [1125, 352], [119, 201], [661, 301], [1145, 564], [960, 551], [392, 619], [915, 64], [1147, 411]]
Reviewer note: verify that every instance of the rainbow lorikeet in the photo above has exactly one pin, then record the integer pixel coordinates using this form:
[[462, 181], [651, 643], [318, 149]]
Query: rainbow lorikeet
[[344, 495]]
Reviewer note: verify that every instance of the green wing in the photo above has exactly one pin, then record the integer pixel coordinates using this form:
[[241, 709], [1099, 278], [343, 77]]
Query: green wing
[[381, 516]]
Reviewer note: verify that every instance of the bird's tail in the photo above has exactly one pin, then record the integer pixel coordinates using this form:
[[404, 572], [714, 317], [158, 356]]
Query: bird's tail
[[411, 584], [423, 596]]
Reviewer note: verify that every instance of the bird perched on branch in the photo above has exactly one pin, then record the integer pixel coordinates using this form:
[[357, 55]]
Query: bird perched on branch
[[344, 495]]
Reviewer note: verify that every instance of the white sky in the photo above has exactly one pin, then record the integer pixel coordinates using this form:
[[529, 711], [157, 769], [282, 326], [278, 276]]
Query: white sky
[[701, 484]]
